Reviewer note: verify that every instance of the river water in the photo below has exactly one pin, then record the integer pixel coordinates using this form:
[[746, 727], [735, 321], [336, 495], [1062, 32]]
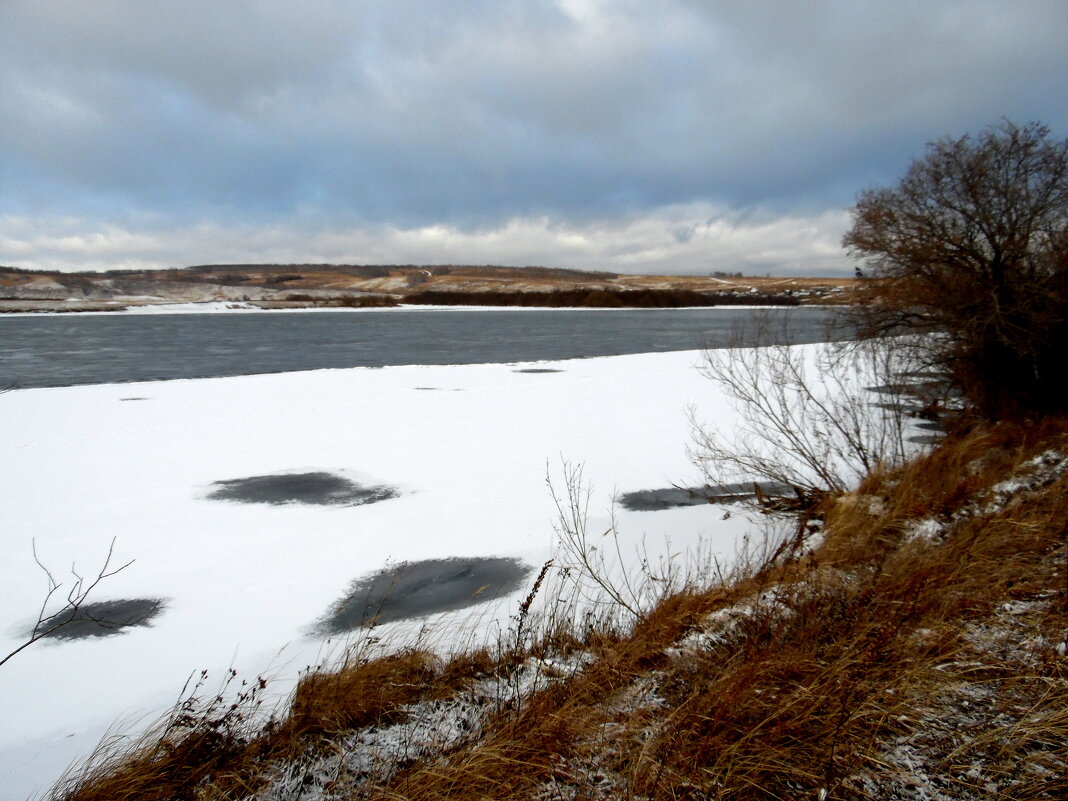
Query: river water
[[69, 349]]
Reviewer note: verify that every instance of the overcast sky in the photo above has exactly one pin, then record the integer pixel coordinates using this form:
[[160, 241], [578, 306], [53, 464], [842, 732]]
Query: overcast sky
[[671, 136]]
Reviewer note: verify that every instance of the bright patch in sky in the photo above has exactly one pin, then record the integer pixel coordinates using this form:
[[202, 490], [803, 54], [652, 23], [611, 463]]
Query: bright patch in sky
[[678, 136]]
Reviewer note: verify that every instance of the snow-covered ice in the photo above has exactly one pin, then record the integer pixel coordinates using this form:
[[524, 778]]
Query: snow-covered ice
[[466, 447]]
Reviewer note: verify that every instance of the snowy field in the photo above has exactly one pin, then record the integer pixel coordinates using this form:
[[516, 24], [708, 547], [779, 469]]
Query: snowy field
[[467, 449]]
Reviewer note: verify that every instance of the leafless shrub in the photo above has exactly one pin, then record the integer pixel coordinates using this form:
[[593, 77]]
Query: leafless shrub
[[806, 419], [604, 584], [595, 560]]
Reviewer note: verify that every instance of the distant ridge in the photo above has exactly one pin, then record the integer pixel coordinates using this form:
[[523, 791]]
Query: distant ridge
[[319, 284]]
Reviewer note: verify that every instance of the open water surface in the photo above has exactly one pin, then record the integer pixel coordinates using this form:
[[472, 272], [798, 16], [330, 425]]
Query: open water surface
[[68, 349]]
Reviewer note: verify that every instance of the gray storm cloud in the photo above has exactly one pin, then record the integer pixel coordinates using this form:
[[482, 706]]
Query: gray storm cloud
[[574, 133]]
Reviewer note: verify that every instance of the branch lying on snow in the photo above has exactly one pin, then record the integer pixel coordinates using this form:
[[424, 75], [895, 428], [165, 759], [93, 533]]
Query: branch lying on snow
[[78, 594]]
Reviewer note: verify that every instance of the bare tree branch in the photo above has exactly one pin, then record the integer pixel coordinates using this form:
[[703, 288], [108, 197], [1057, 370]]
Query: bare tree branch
[[807, 419], [77, 596]]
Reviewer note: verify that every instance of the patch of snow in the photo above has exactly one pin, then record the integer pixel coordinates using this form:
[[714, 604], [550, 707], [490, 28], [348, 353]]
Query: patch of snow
[[375, 753], [194, 307], [1033, 475], [356, 760], [927, 530], [722, 627], [1039, 472], [986, 730], [587, 770]]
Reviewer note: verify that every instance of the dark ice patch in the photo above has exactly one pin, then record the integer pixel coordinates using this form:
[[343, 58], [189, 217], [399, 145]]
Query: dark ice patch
[[321, 488], [100, 619], [920, 389], [537, 370], [930, 425], [900, 407], [417, 589], [672, 497], [892, 389], [926, 439]]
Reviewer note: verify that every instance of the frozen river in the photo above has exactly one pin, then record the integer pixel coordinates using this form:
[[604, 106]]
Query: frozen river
[[69, 349], [263, 511]]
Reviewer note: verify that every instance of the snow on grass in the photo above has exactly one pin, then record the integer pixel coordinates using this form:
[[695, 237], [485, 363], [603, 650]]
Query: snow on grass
[[1034, 475], [988, 731], [243, 584], [928, 530], [725, 626], [1037, 473], [342, 766]]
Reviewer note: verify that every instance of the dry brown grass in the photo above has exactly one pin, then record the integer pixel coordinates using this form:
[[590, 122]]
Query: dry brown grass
[[879, 665], [215, 749]]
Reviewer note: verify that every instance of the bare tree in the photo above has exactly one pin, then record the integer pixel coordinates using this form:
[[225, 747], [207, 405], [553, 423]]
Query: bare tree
[[77, 597], [973, 244]]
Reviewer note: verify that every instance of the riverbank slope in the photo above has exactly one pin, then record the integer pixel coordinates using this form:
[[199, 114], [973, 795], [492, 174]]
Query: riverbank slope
[[908, 642]]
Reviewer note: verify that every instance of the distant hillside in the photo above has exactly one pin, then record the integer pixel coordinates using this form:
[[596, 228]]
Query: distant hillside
[[275, 285]]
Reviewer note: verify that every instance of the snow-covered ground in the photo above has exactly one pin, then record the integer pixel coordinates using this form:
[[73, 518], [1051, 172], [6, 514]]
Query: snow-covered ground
[[467, 447]]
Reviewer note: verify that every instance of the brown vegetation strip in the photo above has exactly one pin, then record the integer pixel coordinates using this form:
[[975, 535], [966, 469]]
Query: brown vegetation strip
[[598, 298]]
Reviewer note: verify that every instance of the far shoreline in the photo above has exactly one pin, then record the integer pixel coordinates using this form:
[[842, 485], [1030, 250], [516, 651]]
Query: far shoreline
[[311, 286], [231, 307]]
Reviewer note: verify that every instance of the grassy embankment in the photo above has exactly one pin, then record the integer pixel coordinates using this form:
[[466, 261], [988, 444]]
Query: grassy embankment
[[916, 651]]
